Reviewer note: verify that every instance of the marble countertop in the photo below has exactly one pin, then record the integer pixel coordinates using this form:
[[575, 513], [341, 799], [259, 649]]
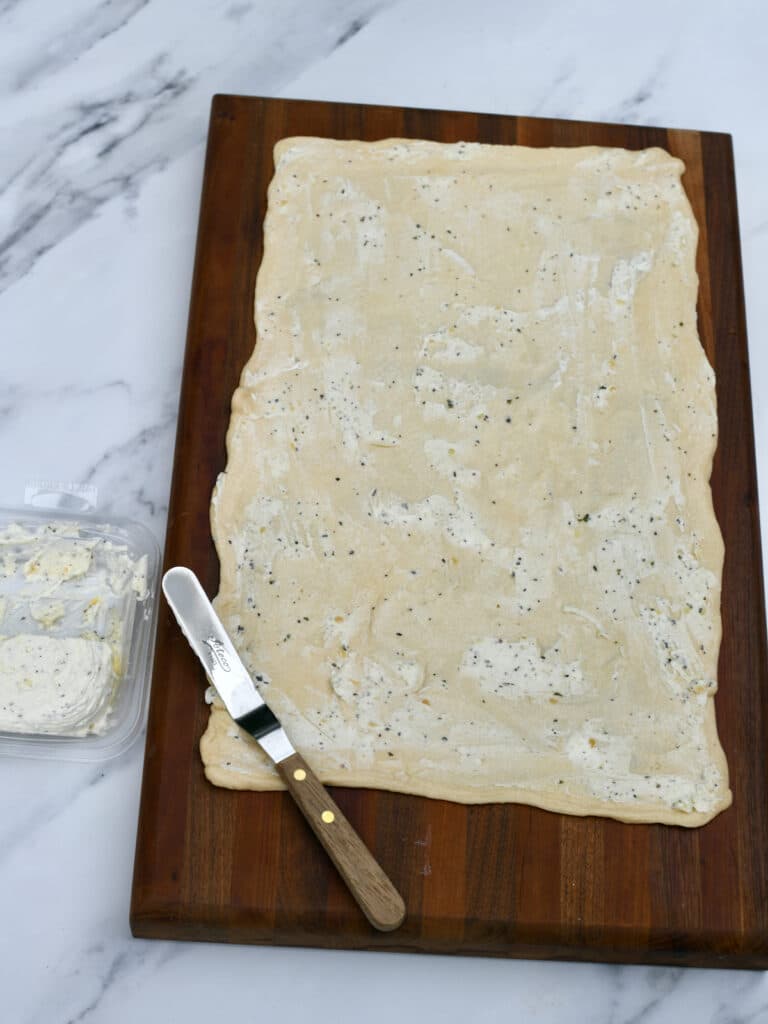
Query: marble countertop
[[103, 121]]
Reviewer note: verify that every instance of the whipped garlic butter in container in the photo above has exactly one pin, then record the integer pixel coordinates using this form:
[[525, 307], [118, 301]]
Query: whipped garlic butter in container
[[77, 604]]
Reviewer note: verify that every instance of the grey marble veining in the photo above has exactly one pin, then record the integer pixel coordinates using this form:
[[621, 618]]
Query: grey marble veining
[[56, 50], [91, 146], [103, 120]]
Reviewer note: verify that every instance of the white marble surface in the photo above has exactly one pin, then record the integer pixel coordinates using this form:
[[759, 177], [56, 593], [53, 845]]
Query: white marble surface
[[103, 120]]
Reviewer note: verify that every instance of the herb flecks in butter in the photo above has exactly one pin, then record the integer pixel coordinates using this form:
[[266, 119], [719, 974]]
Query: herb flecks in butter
[[466, 525], [59, 560], [56, 685], [69, 600]]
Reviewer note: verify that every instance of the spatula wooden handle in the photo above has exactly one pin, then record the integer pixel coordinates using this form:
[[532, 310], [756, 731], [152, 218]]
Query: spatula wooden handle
[[378, 899]]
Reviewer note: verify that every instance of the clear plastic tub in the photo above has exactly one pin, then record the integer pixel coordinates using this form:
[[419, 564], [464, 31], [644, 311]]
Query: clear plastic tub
[[78, 596]]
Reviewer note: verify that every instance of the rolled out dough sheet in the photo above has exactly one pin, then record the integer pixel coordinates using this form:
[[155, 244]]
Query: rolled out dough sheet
[[466, 531]]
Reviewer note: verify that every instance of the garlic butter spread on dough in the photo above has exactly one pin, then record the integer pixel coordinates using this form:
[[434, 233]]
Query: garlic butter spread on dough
[[466, 532], [67, 608]]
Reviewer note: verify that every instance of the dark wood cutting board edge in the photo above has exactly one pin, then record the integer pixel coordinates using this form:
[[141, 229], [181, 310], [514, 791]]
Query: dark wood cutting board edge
[[498, 879]]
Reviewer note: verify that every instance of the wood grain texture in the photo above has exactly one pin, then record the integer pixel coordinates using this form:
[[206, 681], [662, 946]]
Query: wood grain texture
[[372, 890], [499, 880]]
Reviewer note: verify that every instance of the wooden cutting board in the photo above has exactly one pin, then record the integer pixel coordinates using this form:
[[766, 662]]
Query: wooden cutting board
[[499, 879]]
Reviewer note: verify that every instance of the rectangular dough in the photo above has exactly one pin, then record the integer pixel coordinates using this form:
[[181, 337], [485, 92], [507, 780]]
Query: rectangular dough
[[466, 531]]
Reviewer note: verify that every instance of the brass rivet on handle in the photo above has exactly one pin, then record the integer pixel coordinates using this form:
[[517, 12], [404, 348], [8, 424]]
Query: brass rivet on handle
[[328, 817], [299, 775]]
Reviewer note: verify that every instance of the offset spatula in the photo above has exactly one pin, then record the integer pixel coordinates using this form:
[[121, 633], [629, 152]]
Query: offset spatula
[[377, 897]]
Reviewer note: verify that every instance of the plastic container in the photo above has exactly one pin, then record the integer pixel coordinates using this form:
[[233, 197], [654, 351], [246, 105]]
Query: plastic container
[[87, 585]]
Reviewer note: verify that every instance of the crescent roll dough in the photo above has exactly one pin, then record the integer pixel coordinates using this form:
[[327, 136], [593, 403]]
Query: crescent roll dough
[[466, 531]]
